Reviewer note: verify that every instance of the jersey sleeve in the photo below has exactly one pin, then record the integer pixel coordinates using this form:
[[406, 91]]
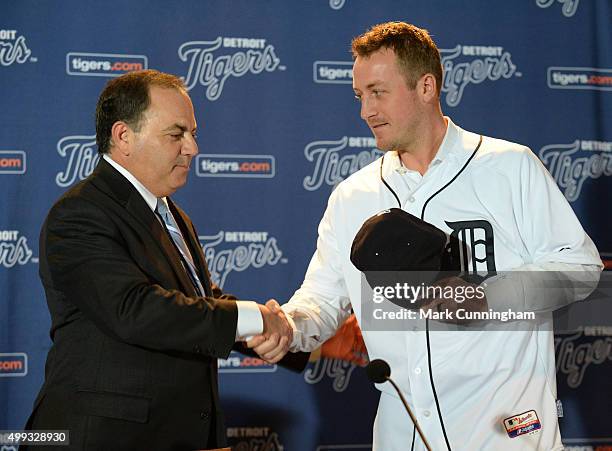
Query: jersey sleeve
[[320, 306], [564, 265]]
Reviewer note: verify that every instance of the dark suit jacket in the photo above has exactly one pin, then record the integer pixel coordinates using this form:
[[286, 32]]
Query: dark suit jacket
[[133, 361]]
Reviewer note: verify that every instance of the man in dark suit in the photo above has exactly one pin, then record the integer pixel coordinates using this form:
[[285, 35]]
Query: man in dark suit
[[137, 325]]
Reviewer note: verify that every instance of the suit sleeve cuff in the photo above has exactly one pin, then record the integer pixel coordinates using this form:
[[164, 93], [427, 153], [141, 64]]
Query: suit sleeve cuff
[[250, 321]]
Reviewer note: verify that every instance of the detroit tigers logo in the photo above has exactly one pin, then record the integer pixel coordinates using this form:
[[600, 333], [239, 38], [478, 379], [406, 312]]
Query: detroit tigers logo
[[471, 244]]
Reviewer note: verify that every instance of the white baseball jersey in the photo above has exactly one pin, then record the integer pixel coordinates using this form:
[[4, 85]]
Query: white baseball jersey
[[496, 389]]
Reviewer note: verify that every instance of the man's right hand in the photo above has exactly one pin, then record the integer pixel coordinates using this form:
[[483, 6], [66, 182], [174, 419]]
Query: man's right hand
[[274, 342]]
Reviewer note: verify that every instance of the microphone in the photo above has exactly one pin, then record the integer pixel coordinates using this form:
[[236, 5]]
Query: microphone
[[379, 371]]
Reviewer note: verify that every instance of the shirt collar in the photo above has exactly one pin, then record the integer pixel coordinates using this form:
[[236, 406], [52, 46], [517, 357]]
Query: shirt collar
[[147, 195], [448, 143], [446, 149]]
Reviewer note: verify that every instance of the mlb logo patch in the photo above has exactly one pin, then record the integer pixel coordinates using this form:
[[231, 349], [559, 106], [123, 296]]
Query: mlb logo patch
[[524, 423]]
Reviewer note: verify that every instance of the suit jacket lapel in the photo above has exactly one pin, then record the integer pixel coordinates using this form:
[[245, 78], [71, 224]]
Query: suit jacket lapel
[[117, 186]]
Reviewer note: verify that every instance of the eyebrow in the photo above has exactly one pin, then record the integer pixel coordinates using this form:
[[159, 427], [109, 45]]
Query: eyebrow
[[371, 85], [178, 126], [374, 83]]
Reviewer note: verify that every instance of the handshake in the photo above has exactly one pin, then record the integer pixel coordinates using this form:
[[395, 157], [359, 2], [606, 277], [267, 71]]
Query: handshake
[[274, 342]]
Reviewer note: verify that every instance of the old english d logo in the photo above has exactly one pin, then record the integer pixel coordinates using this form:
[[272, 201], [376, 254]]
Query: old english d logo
[[471, 244]]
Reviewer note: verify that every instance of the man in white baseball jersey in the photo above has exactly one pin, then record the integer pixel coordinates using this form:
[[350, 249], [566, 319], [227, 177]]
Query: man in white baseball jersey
[[475, 390]]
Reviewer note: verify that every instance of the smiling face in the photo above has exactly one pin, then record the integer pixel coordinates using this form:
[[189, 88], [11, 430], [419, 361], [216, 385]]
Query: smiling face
[[394, 112], [160, 152]]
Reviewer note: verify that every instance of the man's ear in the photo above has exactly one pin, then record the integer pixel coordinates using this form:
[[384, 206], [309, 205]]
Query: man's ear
[[121, 138], [427, 88]]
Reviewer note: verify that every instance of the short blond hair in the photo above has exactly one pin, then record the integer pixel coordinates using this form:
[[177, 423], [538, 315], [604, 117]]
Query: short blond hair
[[416, 52]]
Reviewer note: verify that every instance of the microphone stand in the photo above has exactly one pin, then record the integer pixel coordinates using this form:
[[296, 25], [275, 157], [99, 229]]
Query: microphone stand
[[412, 417]]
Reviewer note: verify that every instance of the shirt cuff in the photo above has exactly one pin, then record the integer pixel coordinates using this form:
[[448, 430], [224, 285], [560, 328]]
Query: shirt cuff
[[250, 321], [295, 330]]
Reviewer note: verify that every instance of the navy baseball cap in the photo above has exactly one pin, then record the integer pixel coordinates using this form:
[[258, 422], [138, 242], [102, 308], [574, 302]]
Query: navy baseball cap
[[395, 240], [394, 246]]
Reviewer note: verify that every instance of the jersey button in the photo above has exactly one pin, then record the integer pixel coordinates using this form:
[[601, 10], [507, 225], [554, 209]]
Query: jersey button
[[426, 413], [417, 371], [411, 199], [204, 416]]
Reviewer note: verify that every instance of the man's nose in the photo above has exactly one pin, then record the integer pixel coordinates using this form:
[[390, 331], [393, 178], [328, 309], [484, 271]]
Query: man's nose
[[190, 146], [368, 108]]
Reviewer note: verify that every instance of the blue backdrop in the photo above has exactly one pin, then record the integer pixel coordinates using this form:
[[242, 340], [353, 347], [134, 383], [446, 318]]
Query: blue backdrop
[[279, 128]]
